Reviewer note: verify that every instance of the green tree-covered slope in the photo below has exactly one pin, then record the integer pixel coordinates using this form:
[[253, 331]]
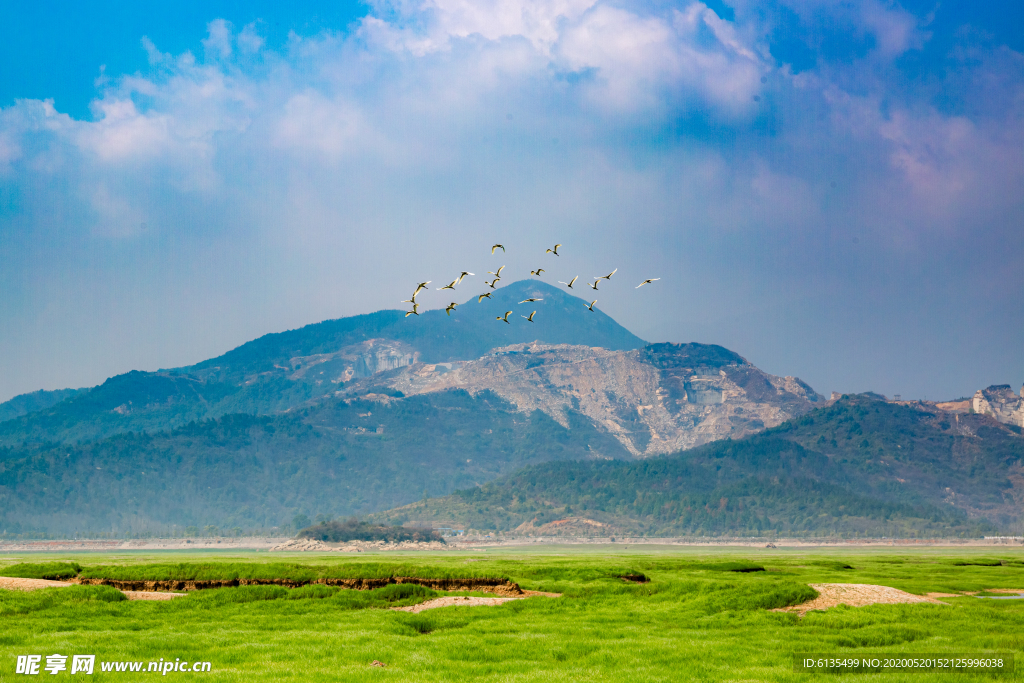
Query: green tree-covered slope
[[24, 404], [338, 458], [861, 466]]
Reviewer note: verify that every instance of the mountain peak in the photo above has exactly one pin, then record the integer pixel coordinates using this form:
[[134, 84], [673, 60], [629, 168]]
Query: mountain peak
[[474, 328]]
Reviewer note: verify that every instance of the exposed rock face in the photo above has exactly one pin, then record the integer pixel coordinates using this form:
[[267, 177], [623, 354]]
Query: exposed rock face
[[659, 399], [1000, 402], [358, 360]]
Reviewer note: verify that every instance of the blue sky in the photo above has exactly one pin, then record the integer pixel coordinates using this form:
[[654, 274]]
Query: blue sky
[[833, 190]]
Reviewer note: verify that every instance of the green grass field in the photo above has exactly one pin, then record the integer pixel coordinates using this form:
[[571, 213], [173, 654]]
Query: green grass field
[[696, 619]]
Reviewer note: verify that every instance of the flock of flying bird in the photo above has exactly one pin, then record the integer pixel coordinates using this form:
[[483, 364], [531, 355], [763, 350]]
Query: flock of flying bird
[[497, 276]]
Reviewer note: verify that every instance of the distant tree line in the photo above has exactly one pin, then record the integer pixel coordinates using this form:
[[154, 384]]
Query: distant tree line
[[354, 530]]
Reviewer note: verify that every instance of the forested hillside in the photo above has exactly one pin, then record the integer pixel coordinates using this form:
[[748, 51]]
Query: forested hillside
[[861, 466], [37, 400], [338, 459]]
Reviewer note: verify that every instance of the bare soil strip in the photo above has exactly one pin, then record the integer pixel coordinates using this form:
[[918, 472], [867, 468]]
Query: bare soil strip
[[19, 584], [453, 601], [145, 595], [857, 595], [496, 586], [16, 584]]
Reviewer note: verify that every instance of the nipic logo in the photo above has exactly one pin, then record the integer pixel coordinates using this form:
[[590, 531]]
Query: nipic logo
[[33, 665], [80, 664]]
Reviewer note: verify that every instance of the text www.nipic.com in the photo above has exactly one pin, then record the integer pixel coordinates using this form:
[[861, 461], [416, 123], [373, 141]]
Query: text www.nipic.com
[[31, 665]]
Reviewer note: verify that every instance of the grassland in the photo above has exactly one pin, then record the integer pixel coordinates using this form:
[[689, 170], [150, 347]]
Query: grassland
[[696, 619]]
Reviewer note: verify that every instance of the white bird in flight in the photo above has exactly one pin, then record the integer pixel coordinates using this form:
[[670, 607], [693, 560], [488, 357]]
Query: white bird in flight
[[496, 274], [497, 246], [451, 307], [553, 251], [526, 300], [505, 317], [594, 286], [537, 272], [450, 285], [462, 275], [414, 311], [530, 317], [608, 276], [647, 282], [422, 285], [483, 296], [569, 283], [591, 306]]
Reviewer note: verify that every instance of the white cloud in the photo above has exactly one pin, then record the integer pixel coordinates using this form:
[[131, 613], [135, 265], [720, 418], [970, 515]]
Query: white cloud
[[538, 21], [896, 31], [311, 123], [275, 187], [123, 132], [219, 39], [249, 40]]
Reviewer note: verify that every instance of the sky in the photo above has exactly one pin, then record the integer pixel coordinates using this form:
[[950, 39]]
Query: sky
[[833, 190]]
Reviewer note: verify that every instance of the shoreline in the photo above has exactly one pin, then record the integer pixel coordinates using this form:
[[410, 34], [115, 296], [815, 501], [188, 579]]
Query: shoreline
[[467, 543]]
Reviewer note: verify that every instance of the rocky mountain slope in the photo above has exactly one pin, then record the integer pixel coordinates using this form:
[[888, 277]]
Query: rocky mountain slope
[[1001, 403], [658, 399], [282, 371], [652, 398]]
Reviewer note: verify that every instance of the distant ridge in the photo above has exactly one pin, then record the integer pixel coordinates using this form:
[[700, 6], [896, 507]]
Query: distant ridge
[[24, 404], [268, 375]]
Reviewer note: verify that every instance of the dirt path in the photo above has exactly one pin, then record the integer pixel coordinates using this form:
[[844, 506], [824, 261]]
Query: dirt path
[[857, 595], [453, 600], [466, 601], [147, 595], [18, 584]]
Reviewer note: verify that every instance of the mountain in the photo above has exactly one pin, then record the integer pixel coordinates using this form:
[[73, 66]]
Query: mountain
[[362, 414], [279, 372], [658, 399], [374, 412], [858, 466]]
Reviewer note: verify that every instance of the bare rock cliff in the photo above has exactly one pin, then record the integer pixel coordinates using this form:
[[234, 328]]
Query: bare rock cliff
[[1000, 402], [658, 399]]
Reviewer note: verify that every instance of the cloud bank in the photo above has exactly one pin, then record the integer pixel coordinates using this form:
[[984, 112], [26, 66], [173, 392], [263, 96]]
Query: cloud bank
[[849, 211]]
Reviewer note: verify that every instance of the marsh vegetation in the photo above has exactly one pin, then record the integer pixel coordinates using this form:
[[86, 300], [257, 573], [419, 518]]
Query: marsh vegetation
[[701, 615]]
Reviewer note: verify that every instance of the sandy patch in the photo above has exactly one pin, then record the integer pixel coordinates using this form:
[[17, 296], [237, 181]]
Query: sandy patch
[[146, 595], [856, 595], [18, 584], [453, 600]]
